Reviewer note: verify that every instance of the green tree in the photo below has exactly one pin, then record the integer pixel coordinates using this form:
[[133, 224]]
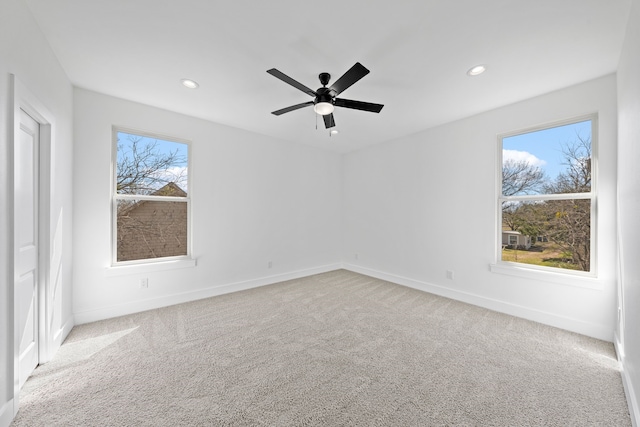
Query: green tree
[[525, 217]]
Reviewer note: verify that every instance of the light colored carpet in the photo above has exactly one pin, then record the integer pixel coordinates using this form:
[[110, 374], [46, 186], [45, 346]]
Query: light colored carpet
[[333, 349]]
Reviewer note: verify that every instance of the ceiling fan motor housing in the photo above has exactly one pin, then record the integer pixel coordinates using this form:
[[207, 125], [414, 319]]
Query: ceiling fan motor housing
[[323, 95]]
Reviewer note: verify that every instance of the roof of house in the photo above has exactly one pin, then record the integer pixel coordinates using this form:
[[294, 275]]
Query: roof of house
[[171, 189], [168, 190]]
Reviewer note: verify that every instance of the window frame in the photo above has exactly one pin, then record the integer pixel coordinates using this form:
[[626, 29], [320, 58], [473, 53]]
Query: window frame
[[523, 269], [174, 261]]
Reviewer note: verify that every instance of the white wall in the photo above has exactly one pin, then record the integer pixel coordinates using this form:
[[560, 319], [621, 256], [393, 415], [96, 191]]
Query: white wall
[[629, 207], [254, 200], [424, 204], [25, 53]]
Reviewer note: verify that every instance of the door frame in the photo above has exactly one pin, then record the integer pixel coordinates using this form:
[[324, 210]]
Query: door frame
[[23, 99]]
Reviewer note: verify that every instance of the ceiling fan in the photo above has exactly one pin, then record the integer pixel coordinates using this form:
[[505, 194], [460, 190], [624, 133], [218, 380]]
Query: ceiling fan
[[325, 97]]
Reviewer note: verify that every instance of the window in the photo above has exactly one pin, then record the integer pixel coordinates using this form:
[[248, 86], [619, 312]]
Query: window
[[547, 196], [150, 197]]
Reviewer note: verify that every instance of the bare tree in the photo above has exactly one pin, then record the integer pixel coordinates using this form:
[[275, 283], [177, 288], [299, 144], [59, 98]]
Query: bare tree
[[567, 223], [577, 177], [521, 177], [570, 220], [150, 228], [143, 168]]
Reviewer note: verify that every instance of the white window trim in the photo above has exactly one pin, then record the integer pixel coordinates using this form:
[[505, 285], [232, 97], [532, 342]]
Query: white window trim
[[163, 264], [558, 275], [150, 264]]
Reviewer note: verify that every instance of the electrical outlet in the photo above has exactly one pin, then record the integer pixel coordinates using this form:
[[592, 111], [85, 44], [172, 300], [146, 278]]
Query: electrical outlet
[[144, 282], [449, 274]]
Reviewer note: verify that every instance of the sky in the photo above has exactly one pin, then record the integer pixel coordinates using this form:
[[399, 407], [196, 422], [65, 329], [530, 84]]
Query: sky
[[162, 147], [543, 148]]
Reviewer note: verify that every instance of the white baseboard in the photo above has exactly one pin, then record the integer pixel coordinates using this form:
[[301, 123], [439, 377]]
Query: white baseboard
[[58, 338], [63, 333], [167, 300], [569, 324], [6, 413], [629, 391]]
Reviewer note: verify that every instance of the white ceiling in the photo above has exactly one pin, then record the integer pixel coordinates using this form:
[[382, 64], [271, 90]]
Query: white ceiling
[[418, 52]]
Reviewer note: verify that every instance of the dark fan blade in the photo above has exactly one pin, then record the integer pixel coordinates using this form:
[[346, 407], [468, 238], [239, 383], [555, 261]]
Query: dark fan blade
[[287, 79], [354, 74], [328, 121], [293, 107], [358, 105]]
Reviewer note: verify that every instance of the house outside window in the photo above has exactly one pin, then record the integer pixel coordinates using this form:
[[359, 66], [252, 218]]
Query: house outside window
[[547, 197], [151, 201]]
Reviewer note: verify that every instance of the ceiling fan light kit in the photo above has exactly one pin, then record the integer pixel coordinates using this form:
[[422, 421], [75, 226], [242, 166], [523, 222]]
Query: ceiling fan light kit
[[323, 108], [325, 98]]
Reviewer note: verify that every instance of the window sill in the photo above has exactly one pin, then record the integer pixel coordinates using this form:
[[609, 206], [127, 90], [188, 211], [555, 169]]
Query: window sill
[[578, 279], [149, 267]]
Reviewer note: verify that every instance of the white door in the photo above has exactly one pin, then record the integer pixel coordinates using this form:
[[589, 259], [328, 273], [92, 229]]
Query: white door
[[26, 240]]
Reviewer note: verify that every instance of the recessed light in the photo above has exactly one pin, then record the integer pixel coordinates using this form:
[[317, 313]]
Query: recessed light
[[191, 84], [478, 69]]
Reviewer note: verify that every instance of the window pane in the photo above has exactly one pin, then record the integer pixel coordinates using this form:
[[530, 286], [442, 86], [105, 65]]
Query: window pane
[[549, 161], [151, 166], [552, 233], [151, 229]]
